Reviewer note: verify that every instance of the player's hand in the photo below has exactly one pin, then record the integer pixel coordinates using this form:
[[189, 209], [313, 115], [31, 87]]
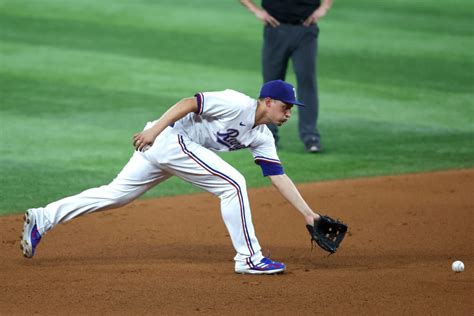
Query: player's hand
[[309, 219], [143, 140], [314, 18], [267, 18]]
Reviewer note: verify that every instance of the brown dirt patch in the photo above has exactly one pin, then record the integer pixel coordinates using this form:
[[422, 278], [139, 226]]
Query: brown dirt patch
[[173, 255]]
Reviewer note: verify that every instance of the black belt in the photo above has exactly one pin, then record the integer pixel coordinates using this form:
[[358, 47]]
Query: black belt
[[291, 22]]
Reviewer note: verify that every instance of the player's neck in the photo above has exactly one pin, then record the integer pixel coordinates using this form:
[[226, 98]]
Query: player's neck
[[261, 114]]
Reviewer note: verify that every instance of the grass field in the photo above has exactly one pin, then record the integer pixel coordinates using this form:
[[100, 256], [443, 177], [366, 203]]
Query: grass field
[[78, 78]]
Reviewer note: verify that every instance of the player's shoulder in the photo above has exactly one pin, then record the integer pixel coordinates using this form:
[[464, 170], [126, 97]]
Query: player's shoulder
[[263, 133], [231, 100], [232, 95], [228, 94]]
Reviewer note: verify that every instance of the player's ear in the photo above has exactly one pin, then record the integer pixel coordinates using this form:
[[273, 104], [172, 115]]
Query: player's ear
[[268, 102]]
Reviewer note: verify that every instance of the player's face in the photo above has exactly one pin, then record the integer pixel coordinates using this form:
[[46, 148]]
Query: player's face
[[280, 112]]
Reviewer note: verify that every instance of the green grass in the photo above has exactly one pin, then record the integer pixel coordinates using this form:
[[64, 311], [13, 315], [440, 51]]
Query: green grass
[[78, 78]]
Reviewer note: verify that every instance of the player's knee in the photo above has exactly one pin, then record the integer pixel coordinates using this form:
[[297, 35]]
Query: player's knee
[[235, 185], [120, 201], [117, 199], [118, 196], [239, 180]]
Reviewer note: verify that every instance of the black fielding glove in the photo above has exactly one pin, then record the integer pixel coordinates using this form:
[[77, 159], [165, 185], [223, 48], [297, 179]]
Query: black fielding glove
[[327, 233]]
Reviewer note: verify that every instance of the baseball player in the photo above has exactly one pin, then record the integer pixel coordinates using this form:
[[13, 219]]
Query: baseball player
[[182, 143]]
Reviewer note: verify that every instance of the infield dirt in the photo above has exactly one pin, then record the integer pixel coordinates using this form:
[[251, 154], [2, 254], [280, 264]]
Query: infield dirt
[[173, 255]]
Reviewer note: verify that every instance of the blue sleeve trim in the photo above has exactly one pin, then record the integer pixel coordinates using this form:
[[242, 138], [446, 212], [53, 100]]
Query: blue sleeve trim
[[270, 168], [260, 158], [200, 103]]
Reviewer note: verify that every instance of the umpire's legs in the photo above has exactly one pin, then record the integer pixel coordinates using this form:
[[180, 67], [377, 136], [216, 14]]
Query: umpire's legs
[[304, 64], [275, 56]]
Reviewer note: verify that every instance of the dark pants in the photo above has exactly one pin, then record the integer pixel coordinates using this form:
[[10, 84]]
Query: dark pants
[[300, 44]]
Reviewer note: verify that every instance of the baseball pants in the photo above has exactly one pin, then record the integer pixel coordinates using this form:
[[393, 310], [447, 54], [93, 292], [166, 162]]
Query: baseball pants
[[172, 154]]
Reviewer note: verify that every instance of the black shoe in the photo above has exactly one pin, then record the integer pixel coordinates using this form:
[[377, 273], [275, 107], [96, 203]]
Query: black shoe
[[312, 147]]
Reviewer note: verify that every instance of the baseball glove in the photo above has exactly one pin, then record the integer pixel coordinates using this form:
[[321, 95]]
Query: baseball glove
[[327, 233]]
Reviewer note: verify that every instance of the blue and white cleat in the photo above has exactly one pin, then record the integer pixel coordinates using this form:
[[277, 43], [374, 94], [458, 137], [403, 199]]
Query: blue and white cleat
[[265, 266], [31, 236]]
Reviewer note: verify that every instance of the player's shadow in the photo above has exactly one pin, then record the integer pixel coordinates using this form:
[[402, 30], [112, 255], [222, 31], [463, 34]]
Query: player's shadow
[[176, 252]]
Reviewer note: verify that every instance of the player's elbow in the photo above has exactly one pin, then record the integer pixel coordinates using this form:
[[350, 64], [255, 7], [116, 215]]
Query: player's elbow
[[277, 180], [186, 105]]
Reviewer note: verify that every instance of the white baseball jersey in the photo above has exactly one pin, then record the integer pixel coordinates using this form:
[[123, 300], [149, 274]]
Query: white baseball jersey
[[225, 122]]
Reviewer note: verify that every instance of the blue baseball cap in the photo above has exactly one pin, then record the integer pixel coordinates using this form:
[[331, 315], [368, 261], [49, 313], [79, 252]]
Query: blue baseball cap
[[281, 91]]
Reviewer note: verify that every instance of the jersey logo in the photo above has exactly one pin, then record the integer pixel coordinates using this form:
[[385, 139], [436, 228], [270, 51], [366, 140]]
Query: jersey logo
[[242, 124], [229, 139]]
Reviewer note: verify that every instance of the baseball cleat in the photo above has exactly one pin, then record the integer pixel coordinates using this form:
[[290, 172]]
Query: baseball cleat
[[31, 236], [265, 266], [312, 147]]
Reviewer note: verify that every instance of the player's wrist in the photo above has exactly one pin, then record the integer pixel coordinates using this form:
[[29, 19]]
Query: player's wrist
[[310, 219]]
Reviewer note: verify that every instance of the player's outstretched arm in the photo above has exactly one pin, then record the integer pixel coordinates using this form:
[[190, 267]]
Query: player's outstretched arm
[[143, 140], [288, 189], [326, 232]]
